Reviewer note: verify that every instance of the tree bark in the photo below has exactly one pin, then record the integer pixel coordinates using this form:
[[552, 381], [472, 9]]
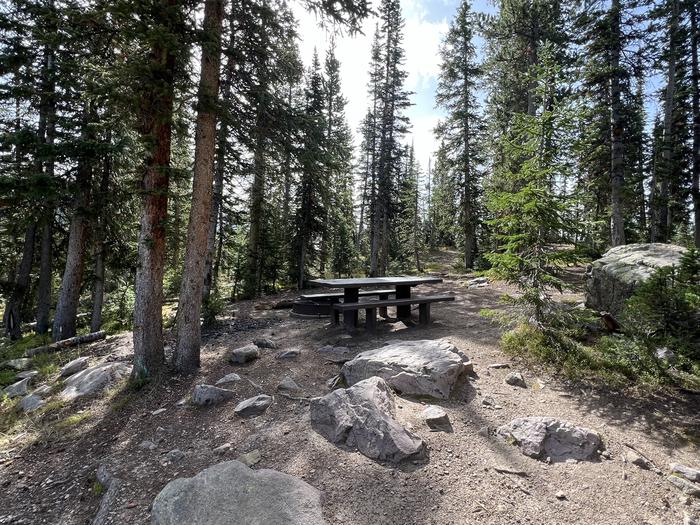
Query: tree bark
[[12, 318], [257, 196], [99, 270], [45, 275], [64, 324], [695, 81], [617, 223], [222, 137], [190, 305], [156, 130]]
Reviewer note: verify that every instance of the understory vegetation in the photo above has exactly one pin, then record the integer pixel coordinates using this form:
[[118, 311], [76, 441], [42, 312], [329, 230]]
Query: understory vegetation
[[658, 340]]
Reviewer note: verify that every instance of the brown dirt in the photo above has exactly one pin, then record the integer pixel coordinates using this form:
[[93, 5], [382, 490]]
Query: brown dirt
[[47, 473]]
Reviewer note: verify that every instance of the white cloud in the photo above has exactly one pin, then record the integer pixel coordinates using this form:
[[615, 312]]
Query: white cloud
[[421, 42]]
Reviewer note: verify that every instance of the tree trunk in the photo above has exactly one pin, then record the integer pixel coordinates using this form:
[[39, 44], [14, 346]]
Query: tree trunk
[[47, 112], [99, 270], [64, 324], [617, 223], [222, 137], [156, 130], [190, 305], [660, 230], [257, 196], [695, 79], [45, 276], [12, 318]]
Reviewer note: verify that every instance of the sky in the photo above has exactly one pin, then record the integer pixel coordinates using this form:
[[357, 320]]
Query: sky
[[427, 22]]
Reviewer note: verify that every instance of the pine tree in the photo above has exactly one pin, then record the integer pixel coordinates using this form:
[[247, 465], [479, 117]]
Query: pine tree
[[459, 132], [529, 216]]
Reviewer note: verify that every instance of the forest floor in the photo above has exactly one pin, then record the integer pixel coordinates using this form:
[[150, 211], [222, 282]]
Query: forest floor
[[47, 467]]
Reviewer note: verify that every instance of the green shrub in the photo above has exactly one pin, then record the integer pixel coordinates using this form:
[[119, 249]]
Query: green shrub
[[664, 313]]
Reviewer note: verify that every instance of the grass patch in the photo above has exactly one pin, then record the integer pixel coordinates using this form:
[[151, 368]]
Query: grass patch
[[98, 488], [7, 377], [15, 349], [72, 420]]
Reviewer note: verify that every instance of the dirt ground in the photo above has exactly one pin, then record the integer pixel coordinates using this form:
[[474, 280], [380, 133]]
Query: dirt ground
[[47, 473]]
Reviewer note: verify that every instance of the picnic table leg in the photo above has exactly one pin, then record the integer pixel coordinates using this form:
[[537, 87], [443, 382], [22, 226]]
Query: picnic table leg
[[371, 319], [382, 309], [424, 313], [403, 292], [351, 295]]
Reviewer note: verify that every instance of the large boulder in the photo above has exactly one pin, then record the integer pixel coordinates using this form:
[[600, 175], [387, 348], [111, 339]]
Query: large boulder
[[230, 492], [363, 417], [94, 379], [613, 278], [424, 367], [542, 437]]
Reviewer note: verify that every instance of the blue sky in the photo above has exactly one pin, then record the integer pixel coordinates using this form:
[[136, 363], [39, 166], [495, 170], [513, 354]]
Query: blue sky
[[426, 24]]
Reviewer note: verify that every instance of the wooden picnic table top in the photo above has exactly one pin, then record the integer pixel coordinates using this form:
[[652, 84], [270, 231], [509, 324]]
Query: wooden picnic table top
[[375, 281]]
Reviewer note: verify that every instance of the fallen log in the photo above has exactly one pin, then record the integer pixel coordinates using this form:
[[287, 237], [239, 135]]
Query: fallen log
[[66, 343]]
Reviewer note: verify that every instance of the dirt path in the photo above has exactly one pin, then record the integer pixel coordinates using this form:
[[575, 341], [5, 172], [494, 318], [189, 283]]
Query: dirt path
[[53, 479]]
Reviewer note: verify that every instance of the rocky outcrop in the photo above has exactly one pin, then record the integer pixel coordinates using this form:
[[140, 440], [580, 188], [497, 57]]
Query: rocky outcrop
[[230, 492], [547, 437], [363, 417], [94, 379], [424, 367], [613, 278], [75, 366]]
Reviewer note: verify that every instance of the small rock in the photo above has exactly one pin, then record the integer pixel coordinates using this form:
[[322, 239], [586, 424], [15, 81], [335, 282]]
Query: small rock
[[686, 472], [488, 401], [265, 343], [688, 487], [484, 431], [250, 458], [18, 389], [147, 444], [516, 379], [638, 460], [289, 354], [228, 378], [223, 449], [175, 455], [560, 495], [244, 354], [75, 366], [335, 381], [499, 365], [288, 385], [478, 282], [31, 402], [28, 373], [253, 406], [207, 395], [22, 363], [158, 411], [665, 354], [437, 419]]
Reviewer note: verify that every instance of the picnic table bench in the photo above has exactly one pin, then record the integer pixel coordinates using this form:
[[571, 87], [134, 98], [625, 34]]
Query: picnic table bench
[[371, 307]]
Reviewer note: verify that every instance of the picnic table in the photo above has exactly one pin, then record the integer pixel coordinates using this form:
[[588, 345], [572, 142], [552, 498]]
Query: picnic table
[[351, 291]]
